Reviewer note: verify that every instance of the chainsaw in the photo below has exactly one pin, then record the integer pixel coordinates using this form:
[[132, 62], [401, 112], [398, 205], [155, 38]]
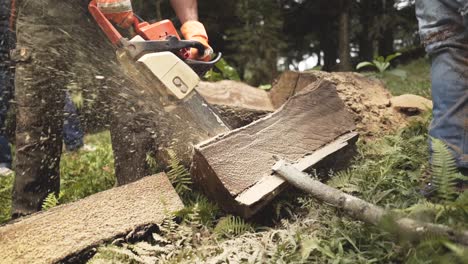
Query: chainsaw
[[159, 48]]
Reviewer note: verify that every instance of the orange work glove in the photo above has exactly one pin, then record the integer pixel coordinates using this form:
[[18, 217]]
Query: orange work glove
[[118, 11], [194, 30]]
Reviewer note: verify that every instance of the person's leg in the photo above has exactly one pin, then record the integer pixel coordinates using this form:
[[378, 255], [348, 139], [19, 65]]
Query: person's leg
[[72, 132], [41, 76], [5, 81], [131, 142], [446, 39]]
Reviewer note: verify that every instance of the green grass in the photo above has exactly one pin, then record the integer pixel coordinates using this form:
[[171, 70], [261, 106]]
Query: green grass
[[417, 79], [82, 173], [385, 172]]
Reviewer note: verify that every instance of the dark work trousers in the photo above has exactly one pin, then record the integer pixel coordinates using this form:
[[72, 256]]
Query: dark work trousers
[[58, 43], [5, 79]]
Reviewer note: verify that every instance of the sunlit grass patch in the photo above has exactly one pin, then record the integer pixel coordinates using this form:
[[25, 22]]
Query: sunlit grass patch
[[82, 173]]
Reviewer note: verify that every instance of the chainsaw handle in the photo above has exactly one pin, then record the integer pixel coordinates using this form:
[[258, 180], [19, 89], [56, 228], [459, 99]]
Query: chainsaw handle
[[139, 48], [114, 36], [195, 44], [201, 67]]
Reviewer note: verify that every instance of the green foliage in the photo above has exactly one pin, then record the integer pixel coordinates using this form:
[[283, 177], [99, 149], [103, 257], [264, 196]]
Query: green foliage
[[51, 201], [417, 81], [87, 172], [255, 43], [179, 175], [77, 99], [6, 186], [199, 211], [224, 72], [231, 226], [265, 87], [445, 175], [82, 173], [382, 64], [114, 254]]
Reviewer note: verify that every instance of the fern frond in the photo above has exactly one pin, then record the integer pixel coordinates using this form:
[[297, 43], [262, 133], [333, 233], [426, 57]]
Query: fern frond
[[343, 180], [51, 201], [231, 226], [179, 175], [151, 161], [444, 171]]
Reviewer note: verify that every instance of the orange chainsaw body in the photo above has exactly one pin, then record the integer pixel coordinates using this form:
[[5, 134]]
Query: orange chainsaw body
[[156, 31]]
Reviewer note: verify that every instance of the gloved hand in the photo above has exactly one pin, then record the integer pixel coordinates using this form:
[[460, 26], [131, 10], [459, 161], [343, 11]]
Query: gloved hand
[[194, 30], [118, 11]]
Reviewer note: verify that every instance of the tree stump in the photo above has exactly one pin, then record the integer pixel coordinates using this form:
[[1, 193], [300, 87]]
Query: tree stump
[[229, 166]]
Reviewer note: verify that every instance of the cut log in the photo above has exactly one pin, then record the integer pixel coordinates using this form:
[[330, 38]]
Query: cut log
[[362, 210], [63, 231], [410, 103], [288, 84], [172, 123], [237, 103], [366, 98], [313, 122]]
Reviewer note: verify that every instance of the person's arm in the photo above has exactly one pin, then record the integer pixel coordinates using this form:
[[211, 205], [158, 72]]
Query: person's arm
[[185, 10]]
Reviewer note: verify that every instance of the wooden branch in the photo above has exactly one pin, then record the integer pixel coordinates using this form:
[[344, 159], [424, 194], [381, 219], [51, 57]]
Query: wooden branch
[[362, 210]]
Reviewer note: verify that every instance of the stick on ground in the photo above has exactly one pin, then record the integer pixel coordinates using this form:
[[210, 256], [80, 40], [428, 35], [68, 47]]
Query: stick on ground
[[362, 210]]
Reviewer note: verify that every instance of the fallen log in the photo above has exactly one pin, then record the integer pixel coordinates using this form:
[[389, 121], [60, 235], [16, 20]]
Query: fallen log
[[366, 98], [66, 230], [234, 169], [288, 84], [237, 103], [362, 210]]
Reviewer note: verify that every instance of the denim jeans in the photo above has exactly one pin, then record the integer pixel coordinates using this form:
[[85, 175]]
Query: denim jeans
[[443, 28], [72, 132]]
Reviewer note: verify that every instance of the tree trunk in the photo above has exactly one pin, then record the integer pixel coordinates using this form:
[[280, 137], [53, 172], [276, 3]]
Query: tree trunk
[[343, 37], [387, 37], [158, 10], [366, 42], [328, 45]]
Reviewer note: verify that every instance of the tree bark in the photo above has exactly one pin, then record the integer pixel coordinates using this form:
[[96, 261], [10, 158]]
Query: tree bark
[[362, 210], [387, 37], [366, 42], [343, 37], [158, 10], [328, 44]]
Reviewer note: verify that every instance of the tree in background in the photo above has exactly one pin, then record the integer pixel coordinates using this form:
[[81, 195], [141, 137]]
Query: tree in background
[[261, 37], [256, 43]]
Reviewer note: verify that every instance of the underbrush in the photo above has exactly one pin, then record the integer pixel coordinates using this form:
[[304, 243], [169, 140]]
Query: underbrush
[[385, 172]]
